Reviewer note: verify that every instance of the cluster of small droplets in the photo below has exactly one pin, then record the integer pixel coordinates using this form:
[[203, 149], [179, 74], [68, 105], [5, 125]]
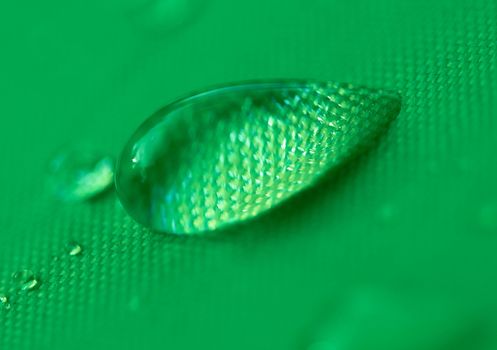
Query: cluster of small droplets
[[25, 280]]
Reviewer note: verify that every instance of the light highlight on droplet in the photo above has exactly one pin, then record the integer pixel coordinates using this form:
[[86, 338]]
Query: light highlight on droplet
[[25, 279], [74, 248], [4, 302]]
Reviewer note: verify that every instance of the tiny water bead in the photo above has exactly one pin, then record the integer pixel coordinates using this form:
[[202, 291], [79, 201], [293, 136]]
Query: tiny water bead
[[4, 302], [79, 173], [74, 248], [229, 154], [25, 279]]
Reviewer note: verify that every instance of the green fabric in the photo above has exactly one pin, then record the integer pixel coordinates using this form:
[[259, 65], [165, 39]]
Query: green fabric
[[415, 218]]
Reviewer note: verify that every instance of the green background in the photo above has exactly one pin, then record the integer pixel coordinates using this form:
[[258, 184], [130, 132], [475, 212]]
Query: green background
[[396, 251]]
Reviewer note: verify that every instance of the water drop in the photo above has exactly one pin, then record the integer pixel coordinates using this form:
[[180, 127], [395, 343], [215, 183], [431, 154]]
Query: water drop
[[4, 302], [25, 279], [74, 248], [79, 173], [229, 154]]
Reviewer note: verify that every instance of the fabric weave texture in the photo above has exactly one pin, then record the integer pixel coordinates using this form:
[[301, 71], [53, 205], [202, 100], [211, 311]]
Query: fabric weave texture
[[416, 215]]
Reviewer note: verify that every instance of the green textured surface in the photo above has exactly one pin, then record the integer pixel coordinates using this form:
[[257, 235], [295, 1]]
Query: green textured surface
[[415, 217]]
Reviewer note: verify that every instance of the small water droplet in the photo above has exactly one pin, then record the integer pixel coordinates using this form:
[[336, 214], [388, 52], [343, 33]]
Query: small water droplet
[[79, 173], [4, 302], [217, 157], [25, 279], [74, 248]]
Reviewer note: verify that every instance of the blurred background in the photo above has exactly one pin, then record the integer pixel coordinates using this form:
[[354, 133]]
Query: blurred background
[[396, 251]]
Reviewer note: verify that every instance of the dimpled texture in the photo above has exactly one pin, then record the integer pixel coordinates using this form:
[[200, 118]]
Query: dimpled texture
[[230, 154]]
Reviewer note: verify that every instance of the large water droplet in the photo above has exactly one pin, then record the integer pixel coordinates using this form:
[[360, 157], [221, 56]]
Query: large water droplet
[[25, 279], [229, 154], [79, 173]]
